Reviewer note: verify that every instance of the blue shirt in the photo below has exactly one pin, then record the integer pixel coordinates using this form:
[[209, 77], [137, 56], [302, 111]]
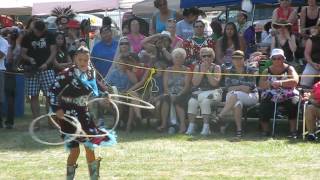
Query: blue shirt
[[119, 79], [104, 51]]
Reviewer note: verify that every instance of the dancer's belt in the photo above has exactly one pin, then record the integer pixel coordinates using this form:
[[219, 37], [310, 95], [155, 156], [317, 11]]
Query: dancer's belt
[[79, 101]]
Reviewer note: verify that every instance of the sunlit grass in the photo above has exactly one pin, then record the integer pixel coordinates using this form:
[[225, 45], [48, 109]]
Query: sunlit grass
[[150, 155]]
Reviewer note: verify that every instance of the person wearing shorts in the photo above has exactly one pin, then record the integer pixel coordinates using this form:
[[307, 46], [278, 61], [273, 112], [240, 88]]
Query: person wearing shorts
[[39, 50]]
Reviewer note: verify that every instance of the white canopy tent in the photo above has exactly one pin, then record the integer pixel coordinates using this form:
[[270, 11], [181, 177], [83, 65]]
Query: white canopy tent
[[147, 7], [8, 7], [45, 8]]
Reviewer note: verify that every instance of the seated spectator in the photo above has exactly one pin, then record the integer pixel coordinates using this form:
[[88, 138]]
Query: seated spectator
[[205, 90], [229, 43], [196, 42], [312, 113], [122, 76], [160, 46], [278, 89], [242, 90], [309, 17], [176, 92], [312, 56], [284, 39], [286, 12]]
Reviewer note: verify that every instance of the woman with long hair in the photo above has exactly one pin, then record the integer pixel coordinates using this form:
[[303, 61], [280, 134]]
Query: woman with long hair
[[229, 43]]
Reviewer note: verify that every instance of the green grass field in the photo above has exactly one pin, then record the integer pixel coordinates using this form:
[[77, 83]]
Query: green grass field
[[150, 155]]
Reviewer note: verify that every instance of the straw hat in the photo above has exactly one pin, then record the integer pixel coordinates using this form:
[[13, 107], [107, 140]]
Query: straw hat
[[279, 23]]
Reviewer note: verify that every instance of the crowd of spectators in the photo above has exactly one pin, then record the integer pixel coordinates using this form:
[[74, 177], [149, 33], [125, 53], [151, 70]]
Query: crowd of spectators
[[194, 70]]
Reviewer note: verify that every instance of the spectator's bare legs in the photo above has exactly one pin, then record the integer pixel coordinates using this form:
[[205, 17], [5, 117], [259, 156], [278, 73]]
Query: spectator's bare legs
[[130, 119], [35, 106], [311, 117], [165, 107], [231, 101], [237, 113], [73, 156], [182, 117]]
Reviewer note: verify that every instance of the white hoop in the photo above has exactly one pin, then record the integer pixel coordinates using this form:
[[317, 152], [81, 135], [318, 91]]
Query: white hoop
[[34, 137], [115, 107], [147, 104]]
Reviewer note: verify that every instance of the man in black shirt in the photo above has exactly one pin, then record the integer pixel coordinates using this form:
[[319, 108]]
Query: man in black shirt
[[38, 49]]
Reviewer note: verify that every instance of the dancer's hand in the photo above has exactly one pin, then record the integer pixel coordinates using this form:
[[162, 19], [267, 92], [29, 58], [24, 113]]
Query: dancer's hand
[[60, 114]]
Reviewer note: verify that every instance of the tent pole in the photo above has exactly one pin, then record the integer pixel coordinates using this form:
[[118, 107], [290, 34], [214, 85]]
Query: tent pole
[[253, 13]]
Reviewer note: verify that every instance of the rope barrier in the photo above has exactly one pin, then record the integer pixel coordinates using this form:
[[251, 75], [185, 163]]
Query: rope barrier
[[187, 72]]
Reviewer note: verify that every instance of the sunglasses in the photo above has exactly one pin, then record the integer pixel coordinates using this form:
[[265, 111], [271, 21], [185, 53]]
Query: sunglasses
[[124, 43], [206, 56], [276, 58]]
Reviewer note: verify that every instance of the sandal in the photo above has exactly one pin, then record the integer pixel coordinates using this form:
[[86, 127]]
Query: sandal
[[239, 134], [160, 129], [216, 119]]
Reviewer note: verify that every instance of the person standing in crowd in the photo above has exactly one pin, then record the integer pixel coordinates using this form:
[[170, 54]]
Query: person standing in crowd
[[185, 26], [135, 37], [3, 54], [39, 49], [176, 41], [309, 17], [205, 90], [284, 39], [62, 59], [159, 18], [196, 42], [312, 57], [242, 23], [216, 30], [278, 86], [13, 58], [103, 52], [286, 12]]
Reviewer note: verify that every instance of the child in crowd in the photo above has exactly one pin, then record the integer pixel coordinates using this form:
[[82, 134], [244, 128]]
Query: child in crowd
[[69, 94]]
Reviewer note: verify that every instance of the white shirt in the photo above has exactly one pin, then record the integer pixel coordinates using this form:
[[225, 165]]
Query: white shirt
[[4, 45]]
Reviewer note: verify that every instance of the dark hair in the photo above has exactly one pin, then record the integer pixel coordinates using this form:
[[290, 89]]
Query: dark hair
[[106, 21], [105, 28], [156, 3], [33, 18], [216, 27], [39, 25], [235, 38], [130, 21], [267, 26], [64, 45], [191, 11], [199, 21]]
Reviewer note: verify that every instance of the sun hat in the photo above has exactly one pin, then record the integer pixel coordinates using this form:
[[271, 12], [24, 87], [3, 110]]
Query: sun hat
[[277, 24], [276, 52]]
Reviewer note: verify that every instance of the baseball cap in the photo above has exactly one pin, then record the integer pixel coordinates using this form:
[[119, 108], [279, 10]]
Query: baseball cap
[[276, 52]]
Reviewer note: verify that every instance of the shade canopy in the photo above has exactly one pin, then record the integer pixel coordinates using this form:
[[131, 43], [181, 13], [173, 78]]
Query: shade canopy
[[210, 3]]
